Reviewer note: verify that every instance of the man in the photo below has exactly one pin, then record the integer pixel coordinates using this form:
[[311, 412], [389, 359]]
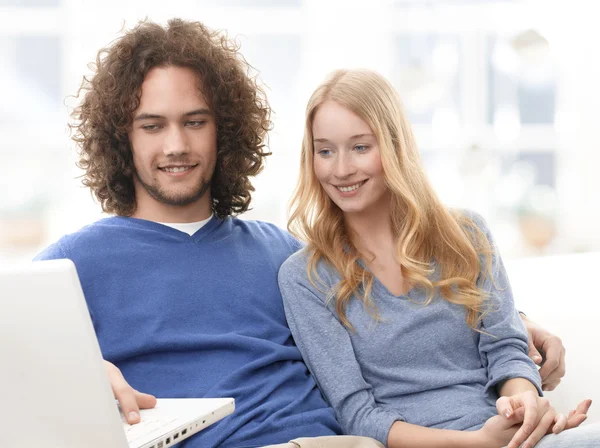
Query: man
[[184, 296]]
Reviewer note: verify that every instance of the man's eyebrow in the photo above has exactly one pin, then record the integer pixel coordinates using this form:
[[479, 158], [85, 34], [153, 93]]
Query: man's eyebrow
[[202, 111], [146, 116], [354, 137]]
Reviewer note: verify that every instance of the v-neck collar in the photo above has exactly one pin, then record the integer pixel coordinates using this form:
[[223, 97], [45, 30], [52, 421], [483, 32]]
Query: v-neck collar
[[165, 229]]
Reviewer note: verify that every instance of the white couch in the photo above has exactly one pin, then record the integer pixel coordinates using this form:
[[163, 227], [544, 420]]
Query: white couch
[[561, 293]]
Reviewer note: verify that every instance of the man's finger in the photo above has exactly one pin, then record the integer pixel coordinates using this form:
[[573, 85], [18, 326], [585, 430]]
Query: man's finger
[[550, 386], [145, 401], [553, 368], [534, 354], [124, 393]]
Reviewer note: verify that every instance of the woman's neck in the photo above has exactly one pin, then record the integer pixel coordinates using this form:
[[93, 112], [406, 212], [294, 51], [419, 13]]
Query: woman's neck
[[371, 232]]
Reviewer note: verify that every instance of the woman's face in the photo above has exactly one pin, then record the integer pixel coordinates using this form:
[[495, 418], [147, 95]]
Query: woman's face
[[347, 162]]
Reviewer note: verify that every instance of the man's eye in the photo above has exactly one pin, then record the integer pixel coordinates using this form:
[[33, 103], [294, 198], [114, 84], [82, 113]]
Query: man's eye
[[150, 127], [195, 124]]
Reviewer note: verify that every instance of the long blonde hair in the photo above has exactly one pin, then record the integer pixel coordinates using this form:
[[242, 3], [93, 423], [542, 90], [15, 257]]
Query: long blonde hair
[[425, 229]]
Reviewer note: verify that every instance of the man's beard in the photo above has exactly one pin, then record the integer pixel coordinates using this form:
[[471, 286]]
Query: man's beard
[[173, 199]]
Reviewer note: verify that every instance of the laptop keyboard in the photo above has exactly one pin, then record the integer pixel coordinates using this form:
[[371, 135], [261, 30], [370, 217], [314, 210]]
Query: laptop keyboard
[[146, 427]]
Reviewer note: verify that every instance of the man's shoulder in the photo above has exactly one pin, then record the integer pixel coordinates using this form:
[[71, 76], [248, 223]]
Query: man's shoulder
[[267, 231], [82, 238], [254, 225]]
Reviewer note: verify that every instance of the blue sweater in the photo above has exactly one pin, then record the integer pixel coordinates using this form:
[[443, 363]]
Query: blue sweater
[[200, 316], [419, 364]]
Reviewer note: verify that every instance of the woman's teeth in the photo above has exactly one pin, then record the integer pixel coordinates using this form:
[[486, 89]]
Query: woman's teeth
[[351, 187]]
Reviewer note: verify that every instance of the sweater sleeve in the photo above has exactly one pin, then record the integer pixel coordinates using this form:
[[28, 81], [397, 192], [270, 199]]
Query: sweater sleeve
[[327, 351], [503, 343], [53, 252]]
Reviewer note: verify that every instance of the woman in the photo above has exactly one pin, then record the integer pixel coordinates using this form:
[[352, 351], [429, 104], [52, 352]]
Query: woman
[[401, 307]]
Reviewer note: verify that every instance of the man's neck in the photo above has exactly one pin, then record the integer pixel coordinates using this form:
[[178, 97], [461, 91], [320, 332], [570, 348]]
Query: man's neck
[[198, 211]]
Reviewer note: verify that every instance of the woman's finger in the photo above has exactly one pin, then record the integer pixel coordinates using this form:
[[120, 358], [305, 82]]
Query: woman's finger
[[560, 423]]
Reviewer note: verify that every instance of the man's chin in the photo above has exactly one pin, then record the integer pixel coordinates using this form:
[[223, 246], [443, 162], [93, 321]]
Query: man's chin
[[180, 200], [177, 198]]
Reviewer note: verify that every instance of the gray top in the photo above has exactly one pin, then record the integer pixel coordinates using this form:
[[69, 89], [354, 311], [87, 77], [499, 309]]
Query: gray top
[[419, 364]]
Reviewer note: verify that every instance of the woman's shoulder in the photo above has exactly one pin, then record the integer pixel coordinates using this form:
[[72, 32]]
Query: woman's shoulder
[[470, 219], [296, 269], [294, 266]]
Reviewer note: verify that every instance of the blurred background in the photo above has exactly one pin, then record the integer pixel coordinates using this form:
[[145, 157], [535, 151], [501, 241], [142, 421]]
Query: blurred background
[[503, 96]]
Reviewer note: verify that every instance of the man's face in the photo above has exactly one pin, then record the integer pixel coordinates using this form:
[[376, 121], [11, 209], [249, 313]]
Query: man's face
[[174, 143]]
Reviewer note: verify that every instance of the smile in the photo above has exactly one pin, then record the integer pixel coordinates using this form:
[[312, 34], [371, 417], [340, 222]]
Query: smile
[[177, 169], [349, 188]]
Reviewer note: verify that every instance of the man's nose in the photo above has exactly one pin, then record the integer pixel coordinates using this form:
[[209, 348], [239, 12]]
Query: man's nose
[[175, 142]]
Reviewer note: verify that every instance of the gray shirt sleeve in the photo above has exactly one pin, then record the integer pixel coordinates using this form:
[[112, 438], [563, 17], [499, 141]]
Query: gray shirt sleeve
[[503, 345], [327, 350]]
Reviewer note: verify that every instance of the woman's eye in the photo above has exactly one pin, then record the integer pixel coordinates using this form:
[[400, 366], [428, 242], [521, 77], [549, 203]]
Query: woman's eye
[[324, 152], [361, 148]]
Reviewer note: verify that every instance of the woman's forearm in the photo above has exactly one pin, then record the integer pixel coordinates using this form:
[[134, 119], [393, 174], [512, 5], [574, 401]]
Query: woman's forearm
[[516, 386], [407, 435]]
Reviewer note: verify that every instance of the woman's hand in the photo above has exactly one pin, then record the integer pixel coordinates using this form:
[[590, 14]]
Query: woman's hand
[[578, 415], [539, 417], [498, 431]]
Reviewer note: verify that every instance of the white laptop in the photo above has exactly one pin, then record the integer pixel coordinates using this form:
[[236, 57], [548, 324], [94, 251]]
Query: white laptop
[[54, 391]]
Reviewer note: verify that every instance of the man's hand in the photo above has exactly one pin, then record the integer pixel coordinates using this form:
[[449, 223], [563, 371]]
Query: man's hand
[[546, 350], [130, 400]]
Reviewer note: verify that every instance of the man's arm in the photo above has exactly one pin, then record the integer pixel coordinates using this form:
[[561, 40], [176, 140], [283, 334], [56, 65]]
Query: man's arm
[[130, 400], [548, 351]]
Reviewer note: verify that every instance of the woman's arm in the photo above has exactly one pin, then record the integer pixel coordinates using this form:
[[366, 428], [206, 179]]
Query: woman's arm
[[503, 346], [327, 349], [496, 432]]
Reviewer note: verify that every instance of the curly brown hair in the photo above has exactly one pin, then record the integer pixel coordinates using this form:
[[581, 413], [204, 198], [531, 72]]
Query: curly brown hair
[[102, 120]]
